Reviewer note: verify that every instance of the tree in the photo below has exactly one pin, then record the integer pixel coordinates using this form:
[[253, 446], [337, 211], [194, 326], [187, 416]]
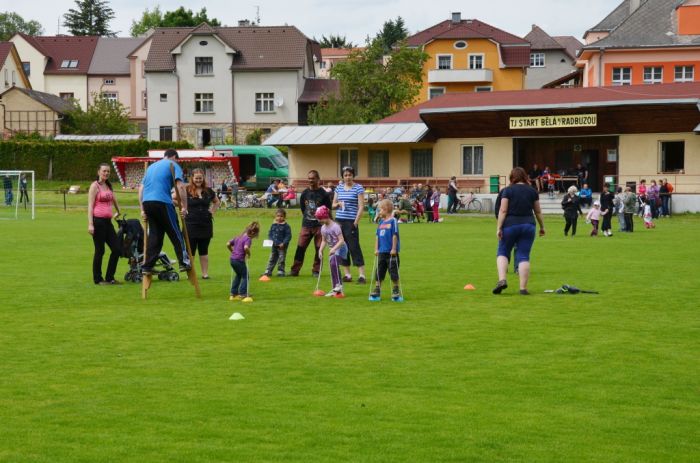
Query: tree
[[103, 117], [91, 17], [176, 18], [372, 85], [11, 23], [393, 32], [335, 41]]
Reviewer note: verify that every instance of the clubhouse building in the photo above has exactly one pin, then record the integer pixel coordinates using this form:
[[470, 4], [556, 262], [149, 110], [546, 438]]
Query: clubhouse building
[[621, 134]]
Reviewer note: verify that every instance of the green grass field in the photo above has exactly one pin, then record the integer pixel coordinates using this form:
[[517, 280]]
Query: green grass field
[[95, 374]]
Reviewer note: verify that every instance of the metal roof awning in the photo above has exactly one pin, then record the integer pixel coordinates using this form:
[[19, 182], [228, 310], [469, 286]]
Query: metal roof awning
[[97, 137], [345, 134]]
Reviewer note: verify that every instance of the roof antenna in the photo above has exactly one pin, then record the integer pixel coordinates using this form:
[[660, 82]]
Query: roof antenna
[[257, 14], [58, 26]]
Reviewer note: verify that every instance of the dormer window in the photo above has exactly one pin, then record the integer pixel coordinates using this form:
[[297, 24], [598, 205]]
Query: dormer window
[[460, 44], [203, 66], [108, 82], [69, 64]]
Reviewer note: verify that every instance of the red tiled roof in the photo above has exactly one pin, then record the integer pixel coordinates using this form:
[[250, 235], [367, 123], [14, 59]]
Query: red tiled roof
[[328, 52], [62, 48], [515, 57], [5, 48], [553, 96]]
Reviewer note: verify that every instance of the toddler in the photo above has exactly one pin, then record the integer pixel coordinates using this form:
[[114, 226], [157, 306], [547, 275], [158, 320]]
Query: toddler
[[240, 251], [648, 215], [386, 248], [593, 217], [332, 236], [280, 234]]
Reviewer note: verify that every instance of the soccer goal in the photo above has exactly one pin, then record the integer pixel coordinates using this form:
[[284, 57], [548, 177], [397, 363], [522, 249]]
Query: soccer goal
[[18, 189]]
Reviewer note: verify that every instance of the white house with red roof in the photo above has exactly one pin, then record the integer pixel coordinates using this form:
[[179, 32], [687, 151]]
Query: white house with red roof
[[551, 59], [11, 70]]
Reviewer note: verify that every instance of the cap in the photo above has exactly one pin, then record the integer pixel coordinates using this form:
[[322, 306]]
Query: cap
[[322, 213], [596, 203]]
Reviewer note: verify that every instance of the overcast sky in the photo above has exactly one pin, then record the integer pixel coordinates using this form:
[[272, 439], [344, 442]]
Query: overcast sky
[[354, 19]]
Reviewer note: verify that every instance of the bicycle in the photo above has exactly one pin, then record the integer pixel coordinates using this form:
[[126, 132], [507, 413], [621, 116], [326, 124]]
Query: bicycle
[[469, 203]]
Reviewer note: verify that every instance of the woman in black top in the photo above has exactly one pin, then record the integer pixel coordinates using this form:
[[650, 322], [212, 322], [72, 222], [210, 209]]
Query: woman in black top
[[572, 209], [520, 205], [201, 205], [607, 207]]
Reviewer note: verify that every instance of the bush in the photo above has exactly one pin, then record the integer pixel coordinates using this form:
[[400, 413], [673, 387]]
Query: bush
[[70, 161]]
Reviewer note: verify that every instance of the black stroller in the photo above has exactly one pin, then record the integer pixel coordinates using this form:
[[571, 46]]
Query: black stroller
[[130, 235]]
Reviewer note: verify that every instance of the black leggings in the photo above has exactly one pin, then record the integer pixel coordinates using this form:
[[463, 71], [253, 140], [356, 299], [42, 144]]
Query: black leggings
[[570, 224], [351, 235], [199, 243], [162, 220], [104, 234]]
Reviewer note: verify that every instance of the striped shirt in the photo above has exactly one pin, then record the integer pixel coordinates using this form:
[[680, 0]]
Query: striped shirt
[[349, 200]]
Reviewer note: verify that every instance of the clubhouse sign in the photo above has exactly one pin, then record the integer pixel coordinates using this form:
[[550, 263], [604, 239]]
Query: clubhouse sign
[[549, 122]]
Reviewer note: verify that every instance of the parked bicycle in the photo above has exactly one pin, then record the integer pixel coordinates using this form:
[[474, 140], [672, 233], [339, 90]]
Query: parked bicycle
[[469, 203]]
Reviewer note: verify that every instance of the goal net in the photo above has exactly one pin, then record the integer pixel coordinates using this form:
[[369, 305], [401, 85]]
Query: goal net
[[17, 194]]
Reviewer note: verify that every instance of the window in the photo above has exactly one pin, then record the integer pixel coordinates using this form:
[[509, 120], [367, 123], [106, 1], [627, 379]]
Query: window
[[7, 77], [435, 92], [14, 77], [422, 163], [444, 61], [108, 82], [163, 97], [672, 156], [460, 45], [653, 75], [144, 100], [536, 60], [483, 89], [166, 133], [684, 73], [203, 43], [27, 67], [322, 65], [378, 163], [473, 160], [264, 102], [111, 97], [217, 136], [476, 61], [203, 66], [348, 157], [622, 76], [66, 95], [204, 102], [69, 64]]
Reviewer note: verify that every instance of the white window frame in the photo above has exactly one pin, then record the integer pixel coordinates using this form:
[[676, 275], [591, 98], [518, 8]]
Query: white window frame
[[621, 80], [652, 77], [69, 64], [483, 88], [662, 156], [466, 44], [163, 128], [472, 169], [341, 164], [7, 77], [201, 67], [430, 96], [374, 159], [685, 75], [322, 64], [417, 168], [108, 82], [14, 77], [264, 102], [534, 62], [477, 55], [444, 55], [204, 103], [144, 100], [112, 97]]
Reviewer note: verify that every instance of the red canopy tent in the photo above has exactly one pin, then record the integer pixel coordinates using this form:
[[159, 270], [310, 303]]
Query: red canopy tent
[[217, 169]]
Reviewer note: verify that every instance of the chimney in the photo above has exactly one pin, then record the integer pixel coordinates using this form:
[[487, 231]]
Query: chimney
[[456, 17], [243, 22], [634, 4]]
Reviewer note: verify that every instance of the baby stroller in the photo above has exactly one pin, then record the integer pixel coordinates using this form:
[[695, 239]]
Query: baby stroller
[[130, 236]]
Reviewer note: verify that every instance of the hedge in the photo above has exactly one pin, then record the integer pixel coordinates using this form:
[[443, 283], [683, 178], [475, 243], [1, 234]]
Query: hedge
[[71, 161]]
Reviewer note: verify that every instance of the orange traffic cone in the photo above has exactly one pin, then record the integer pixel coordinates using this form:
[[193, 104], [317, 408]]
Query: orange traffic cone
[[264, 278], [469, 287]]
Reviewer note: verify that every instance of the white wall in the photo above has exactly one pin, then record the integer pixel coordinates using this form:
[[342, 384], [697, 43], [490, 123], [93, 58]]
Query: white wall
[[161, 113], [552, 70], [218, 83], [138, 80], [75, 84], [284, 84], [10, 74], [37, 62]]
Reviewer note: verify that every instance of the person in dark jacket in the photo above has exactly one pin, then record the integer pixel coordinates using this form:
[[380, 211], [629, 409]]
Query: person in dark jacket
[[426, 203], [311, 199], [572, 209], [202, 204], [607, 209], [280, 234]]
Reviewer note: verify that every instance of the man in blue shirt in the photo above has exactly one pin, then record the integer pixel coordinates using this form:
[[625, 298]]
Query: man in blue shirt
[[586, 196], [158, 209]]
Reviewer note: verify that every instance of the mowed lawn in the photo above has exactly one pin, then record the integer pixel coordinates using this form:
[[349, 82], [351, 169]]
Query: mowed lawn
[[95, 374]]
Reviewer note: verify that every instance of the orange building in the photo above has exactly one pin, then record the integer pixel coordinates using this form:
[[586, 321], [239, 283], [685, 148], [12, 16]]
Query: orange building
[[643, 42], [470, 56]]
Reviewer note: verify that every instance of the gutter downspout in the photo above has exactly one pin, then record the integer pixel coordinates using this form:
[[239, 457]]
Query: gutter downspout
[[233, 107], [600, 68], [177, 77]]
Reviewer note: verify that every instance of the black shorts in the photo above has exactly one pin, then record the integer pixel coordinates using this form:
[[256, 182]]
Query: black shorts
[[199, 243], [388, 262]]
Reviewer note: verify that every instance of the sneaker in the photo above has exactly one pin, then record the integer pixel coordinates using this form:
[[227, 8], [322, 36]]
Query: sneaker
[[281, 274], [237, 297], [524, 292], [375, 294], [500, 286], [185, 267], [361, 280], [395, 293], [313, 274], [347, 278]]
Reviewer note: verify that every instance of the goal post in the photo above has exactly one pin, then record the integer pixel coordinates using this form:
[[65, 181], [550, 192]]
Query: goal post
[[18, 190]]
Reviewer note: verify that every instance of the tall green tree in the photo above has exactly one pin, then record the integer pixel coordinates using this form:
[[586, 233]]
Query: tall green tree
[[11, 23], [180, 17], [393, 32], [373, 85], [91, 17], [103, 117], [335, 41]]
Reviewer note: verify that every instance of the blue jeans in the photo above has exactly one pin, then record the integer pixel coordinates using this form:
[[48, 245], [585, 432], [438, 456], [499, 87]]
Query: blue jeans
[[519, 236], [240, 281]]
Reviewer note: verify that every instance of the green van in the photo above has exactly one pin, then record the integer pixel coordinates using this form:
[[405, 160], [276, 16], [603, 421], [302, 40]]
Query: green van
[[259, 165]]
